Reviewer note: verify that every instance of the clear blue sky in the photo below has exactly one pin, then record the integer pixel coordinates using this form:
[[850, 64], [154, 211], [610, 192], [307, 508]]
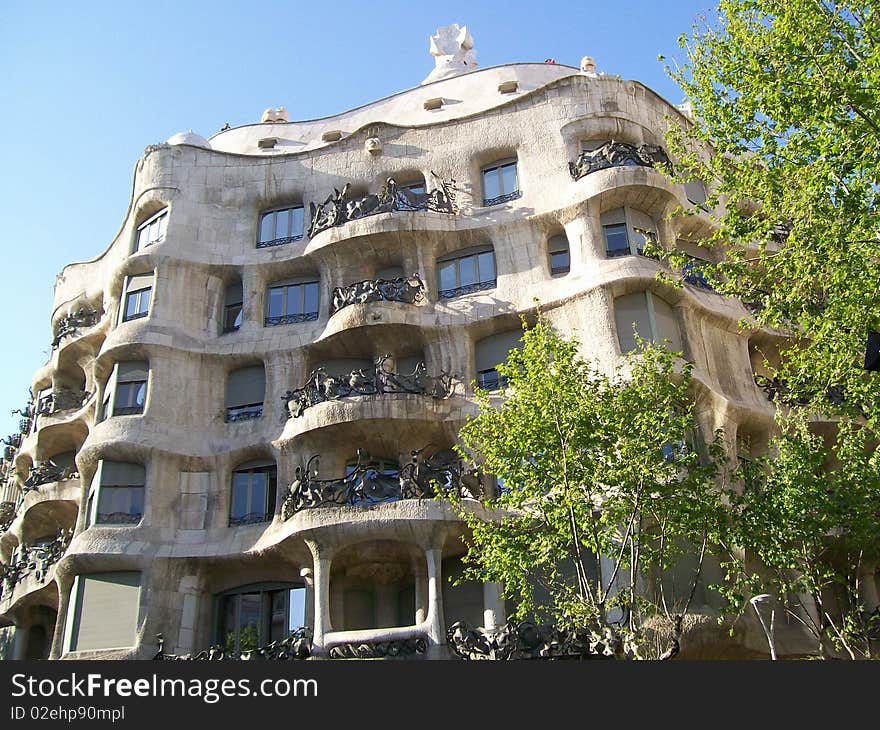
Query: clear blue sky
[[87, 85]]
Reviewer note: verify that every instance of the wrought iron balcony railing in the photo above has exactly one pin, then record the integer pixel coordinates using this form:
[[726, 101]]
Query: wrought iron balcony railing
[[442, 473], [382, 379], [35, 560], [244, 413], [62, 399], [297, 645], [7, 515], [408, 290], [290, 318], [619, 154], [693, 275], [338, 209], [118, 518], [85, 316], [525, 640], [47, 472], [506, 198], [251, 518], [379, 649], [468, 289]]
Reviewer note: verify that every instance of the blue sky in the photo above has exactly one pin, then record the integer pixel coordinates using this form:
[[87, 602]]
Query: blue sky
[[86, 86]]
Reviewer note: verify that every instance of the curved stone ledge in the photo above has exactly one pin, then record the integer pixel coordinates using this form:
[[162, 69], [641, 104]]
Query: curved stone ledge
[[46, 504]]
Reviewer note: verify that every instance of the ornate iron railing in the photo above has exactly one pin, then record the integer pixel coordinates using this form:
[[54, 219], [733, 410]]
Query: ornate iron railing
[[244, 413], [379, 649], [251, 518], [118, 518], [408, 290], [777, 390], [525, 640], [62, 399], [506, 198], [47, 472], [468, 289], [322, 387], [36, 559], [297, 645], [85, 316], [337, 209], [619, 154], [13, 441], [442, 473], [290, 319], [279, 241], [693, 275], [7, 515]]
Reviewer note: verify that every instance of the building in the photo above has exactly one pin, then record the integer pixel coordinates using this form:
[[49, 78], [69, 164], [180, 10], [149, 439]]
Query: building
[[252, 390]]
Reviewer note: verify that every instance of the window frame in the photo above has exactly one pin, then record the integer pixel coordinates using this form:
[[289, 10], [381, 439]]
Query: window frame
[[558, 271], [652, 322], [97, 489], [281, 240], [294, 317], [244, 411], [265, 590], [630, 229], [503, 195], [161, 215], [479, 283], [138, 295], [253, 517]]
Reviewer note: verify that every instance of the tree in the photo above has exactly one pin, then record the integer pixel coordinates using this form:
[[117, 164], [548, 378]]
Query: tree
[[786, 107], [604, 495]]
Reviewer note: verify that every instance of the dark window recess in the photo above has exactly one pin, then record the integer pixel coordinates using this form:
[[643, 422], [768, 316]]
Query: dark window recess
[[616, 240], [872, 352], [491, 380], [558, 253], [245, 394], [130, 398]]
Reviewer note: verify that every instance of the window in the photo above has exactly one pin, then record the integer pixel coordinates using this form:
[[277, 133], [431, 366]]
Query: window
[[131, 388], [120, 493], [138, 290], [151, 230], [254, 615], [490, 352], [292, 302], [693, 274], [627, 231], [280, 226], [500, 182], [558, 255], [232, 307], [378, 481], [253, 493], [245, 391], [695, 190], [466, 272], [652, 317], [105, 611]]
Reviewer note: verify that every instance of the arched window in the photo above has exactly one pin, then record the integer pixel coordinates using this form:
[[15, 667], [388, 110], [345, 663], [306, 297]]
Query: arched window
[[151, 230], [500, 182], [126, 391], [465, 272], [627, 231], [253, 493], [652, 318], [558, 255], [245, 391], [490, 352], [117, 493], [136, 300], [280, 226]]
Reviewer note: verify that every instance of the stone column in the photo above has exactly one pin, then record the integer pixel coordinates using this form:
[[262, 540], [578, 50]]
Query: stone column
[[435, 597], [309, 582], [421, 588], [493, 606], [65, 588], [20, 640], [322, 557]]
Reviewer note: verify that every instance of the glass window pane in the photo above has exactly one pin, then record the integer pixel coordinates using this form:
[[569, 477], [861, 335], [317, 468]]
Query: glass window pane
[[297, 611], [311, 297], [144, 302], [293, 305], [486, 262], [282, 223], [508, 179], [163, 223], [491, 183], [616, 241], [131, 304], [276, 299], [417, 188], [297, 219], [239, 494], [135, 500], [467, 270], [559, 262], [267, 227], [277, 615], [141, 240], [249, 622], [447, 275], [258, 492], [229, 628], [140, 395]]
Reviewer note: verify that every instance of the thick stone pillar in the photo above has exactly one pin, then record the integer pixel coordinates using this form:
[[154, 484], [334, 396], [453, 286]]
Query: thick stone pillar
[[322, 558], [493, 606], [65, 588], [308, 579], [436, 636], [20, 641], [421, 591]]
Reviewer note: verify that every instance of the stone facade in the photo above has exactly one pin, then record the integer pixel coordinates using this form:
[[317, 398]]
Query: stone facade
[[200, 568]]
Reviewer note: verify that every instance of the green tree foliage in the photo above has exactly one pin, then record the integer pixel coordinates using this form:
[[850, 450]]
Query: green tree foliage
[[594, 464], [787, 135]]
